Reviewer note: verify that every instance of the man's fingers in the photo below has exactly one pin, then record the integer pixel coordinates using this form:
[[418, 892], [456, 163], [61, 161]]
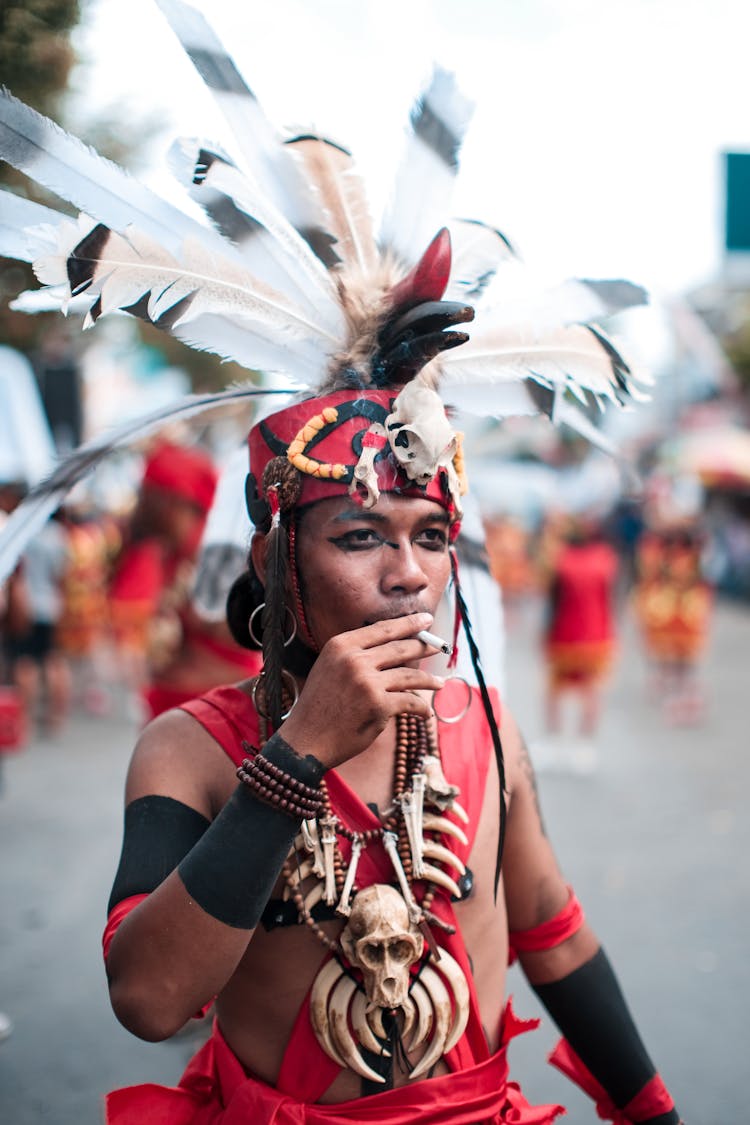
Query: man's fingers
[[410, 679], [392, 629]]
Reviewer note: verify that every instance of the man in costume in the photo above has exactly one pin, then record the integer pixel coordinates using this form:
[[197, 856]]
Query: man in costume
[[360, 814]]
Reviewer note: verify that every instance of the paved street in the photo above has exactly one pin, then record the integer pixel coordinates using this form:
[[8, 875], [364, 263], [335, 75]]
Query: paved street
[[655, 842]]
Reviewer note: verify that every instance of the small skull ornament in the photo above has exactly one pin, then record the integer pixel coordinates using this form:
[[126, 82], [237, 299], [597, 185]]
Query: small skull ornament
[[379, 940], [420, 435]]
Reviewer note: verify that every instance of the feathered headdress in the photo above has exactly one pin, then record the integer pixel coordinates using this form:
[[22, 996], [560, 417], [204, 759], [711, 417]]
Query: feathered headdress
[[288, 274]]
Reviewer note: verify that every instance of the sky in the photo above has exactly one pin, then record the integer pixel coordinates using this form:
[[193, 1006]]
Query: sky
[[598, 131]]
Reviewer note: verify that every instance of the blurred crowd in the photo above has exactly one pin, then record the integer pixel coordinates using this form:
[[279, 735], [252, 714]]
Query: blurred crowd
[[100, 614]]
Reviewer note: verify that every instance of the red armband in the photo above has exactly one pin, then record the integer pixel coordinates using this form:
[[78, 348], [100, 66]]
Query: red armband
[[116, 915], [547, 935], [652, 1101]]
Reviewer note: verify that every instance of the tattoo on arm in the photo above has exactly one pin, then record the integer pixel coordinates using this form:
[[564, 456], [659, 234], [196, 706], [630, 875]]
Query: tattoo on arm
[[528, 770]]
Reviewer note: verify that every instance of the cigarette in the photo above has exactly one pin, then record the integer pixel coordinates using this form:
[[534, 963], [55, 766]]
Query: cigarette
[[436, 642]]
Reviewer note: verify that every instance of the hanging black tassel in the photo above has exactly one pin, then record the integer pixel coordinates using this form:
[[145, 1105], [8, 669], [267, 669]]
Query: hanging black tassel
[[487, 704], [274, 615]]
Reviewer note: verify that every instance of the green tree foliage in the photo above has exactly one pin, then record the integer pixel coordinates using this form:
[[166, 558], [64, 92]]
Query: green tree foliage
[[36, 57], [35, 51]]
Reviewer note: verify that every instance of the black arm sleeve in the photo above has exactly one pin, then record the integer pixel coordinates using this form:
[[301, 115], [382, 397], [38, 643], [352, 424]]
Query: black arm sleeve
[[231, 870], [589, 1008], [159, 832]]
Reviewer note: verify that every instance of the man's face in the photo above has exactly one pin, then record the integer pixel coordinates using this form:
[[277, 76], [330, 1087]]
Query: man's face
[[357, 567]]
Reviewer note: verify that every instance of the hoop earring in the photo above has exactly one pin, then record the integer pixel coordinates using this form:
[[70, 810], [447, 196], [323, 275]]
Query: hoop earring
[[285, 677], [257, 640], [453, 718]]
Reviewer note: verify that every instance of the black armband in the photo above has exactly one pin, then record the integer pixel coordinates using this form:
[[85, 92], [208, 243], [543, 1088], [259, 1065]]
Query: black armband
[[159, 832], [231, 871], [589, 1008]]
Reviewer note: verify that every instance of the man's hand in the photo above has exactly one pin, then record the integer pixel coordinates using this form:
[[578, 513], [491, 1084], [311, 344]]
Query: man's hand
[[360, 680]]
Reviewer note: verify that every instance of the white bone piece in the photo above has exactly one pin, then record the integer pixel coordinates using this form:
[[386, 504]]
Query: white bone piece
[[433, 850], [328, 841], [311, 839], [321, 990], [445, 827], [297, 875], [361, 1025], [313, 897], [365, 476], [410, 813], [343, 906], [438, 790], [441, 879], [456, 981], [390, 843], [460, 812], [441, 1006], [424, 1015], [341, 1036]]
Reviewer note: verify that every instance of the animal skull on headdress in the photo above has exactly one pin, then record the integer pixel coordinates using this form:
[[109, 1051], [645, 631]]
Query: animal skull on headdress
[[421, 437], [380, 940]]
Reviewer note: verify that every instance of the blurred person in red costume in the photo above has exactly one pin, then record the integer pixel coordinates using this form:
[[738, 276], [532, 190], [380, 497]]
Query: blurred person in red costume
[[148, 593], [580, 632]]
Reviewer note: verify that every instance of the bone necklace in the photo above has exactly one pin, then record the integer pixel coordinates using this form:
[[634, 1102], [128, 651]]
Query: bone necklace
[[387, 928]]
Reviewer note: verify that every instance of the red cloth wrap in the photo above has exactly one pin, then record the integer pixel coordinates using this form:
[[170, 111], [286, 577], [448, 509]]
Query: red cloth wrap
[[547, 935], [215, 1090], [652, 1100]]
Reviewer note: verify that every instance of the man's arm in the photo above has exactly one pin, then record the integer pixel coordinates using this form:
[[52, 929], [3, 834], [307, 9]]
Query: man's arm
[[563, 961], [206, 877]]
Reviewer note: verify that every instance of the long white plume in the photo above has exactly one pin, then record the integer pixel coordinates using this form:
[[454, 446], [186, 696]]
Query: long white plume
[[258, 148], [22, 227], [331, 176], [266, 241], [420, 201], [121, 271], [46, 497], [64, 165]]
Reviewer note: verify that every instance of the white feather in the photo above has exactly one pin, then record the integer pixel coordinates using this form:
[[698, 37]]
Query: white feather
[[60, 162], [339, 190], [419, 204], [276, 253], [258, 147], [24, 227], [478, 252], [126, 269], [46, 497], [568, 357]]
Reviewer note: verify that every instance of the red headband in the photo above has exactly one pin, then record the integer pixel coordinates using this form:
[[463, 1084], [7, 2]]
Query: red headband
[[323, 438]]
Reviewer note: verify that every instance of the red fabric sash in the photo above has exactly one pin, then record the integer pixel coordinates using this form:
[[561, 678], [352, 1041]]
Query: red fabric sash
[[215, 1090]]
